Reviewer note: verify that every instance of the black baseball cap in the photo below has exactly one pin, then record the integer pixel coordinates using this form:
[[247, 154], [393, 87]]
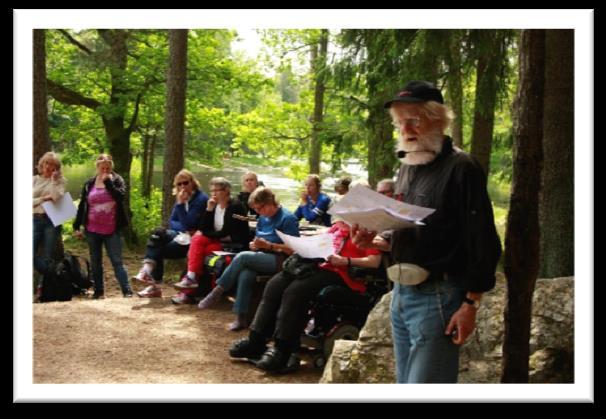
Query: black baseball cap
[[417, 91]]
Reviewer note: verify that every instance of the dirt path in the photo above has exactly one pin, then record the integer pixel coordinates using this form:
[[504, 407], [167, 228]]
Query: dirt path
[[140, 341]]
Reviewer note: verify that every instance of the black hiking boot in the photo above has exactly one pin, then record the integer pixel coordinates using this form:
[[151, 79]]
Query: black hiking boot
[[243, 348]]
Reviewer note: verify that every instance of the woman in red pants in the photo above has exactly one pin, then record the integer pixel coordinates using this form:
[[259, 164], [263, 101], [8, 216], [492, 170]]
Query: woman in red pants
[[223, 224]]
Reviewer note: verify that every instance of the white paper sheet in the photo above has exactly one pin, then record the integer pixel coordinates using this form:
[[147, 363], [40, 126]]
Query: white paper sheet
[[222, 253], [377, 212], [61, 211], [318, 246]]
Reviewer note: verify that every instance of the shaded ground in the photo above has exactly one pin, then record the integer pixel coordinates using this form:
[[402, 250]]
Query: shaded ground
[[140, 341]]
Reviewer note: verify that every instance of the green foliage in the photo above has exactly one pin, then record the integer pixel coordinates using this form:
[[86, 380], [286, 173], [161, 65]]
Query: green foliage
[[234, 110], [147, 213], [298, 171]]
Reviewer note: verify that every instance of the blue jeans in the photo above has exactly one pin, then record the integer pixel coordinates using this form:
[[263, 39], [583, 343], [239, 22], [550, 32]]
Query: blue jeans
[[419, 317], [167, 250], [242, 271], [113, 246], [45, 234]]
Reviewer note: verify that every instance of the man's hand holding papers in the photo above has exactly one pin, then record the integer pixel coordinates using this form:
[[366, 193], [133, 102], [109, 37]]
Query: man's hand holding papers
[[376, 212]]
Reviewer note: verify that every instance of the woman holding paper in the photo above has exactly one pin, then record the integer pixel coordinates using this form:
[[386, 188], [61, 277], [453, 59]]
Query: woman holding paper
[[224, 225], [101, 211], [49, 185], [282, 313]]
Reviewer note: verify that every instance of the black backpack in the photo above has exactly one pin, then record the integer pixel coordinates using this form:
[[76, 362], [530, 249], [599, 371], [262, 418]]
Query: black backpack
[[56, 284], [65, 279], [78, 269]]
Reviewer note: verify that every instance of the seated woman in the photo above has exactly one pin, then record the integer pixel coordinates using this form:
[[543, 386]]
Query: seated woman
[[314, 203], [266, 255], [282, 313], [342, 185], [189, 205], [220, 227], [250, 182]]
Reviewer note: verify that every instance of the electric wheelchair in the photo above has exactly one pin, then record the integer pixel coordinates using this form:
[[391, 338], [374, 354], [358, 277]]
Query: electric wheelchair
[[338, 312]]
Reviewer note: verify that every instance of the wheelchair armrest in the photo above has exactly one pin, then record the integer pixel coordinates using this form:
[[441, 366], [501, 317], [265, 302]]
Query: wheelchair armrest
[[367, 274]]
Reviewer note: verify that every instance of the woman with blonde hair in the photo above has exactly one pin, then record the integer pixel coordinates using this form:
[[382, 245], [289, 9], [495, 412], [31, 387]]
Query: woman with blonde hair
[[190, 204], [250, 182], [102, 213], [314, 204], [49, 185]]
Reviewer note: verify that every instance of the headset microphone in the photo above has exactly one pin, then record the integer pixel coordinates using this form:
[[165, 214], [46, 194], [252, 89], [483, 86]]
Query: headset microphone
[[401, 153]]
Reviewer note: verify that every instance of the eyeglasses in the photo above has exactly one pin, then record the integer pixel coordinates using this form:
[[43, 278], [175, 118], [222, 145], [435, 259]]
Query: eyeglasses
[[216, 190], [184, 183], [385, 192], [259, 208], [412, 122]]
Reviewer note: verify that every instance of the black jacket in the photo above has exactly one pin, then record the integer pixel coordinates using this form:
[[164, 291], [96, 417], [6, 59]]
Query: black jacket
[[116, 188], [243, 198], [460, 237], [232, 227]]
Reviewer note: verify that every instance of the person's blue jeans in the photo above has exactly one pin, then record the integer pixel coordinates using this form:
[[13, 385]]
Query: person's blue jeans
[[243, 271], [45, 235], [419, 317], [166, 250], [113, 246]]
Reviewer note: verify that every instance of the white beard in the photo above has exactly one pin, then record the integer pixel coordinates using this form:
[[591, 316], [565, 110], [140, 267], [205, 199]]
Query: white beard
[[424, 149]]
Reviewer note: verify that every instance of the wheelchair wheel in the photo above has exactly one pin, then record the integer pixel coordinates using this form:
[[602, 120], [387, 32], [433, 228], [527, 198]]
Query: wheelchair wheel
[[319, 361], [345, 331]]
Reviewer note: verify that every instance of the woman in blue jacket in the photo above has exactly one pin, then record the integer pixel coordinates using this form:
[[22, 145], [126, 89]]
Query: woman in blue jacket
[[314, 203], [185, 217]]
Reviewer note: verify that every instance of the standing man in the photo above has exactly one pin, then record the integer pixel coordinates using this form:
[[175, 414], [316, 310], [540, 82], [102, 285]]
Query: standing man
[[453, 256]]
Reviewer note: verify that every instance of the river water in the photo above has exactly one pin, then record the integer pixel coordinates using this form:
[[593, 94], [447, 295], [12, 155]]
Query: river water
[[287, 190]]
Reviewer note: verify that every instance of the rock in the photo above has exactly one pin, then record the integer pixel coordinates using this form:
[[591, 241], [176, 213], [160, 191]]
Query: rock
[[370, 359]]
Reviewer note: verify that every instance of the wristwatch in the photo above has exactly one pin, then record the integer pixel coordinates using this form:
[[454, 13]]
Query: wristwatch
[[474, 303]]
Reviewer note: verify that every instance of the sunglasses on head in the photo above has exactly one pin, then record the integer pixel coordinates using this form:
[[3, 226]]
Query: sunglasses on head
[[184, 183]]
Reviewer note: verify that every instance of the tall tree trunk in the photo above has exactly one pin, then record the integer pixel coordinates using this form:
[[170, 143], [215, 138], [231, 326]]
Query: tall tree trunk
[[150, 164], [145, 165], [491, 55], [381, 154], [557, 191], [455, 85], [42, 142], [176, 84], [522, 236], [318, 65], [118, 132], [429, 60]]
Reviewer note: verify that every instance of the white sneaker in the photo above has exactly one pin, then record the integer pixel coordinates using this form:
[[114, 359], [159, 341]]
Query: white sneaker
[[144, 277], [186, 283], [151, 292]]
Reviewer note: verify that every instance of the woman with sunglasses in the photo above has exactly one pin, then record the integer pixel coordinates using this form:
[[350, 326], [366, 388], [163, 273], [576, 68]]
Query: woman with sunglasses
[[166, 243]]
